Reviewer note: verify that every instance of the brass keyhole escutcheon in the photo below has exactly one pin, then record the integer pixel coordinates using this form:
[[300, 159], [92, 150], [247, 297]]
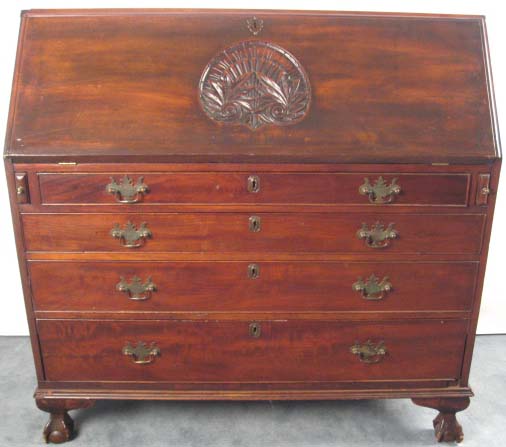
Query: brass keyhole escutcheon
[[254, 224], [253, 271], [253, 183], [255, 25], [255, 330]]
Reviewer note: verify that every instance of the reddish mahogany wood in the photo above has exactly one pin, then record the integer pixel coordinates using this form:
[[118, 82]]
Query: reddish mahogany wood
[[249, 391], [391, 95], [90, 167], [420, 93], [226, 286], [275, 188], [280, 232], [25, 282], [494, 184], [218, 351]]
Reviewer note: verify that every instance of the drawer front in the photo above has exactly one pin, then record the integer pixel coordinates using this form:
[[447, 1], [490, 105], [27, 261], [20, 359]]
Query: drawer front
[[259, 187], [243, 286], [266, 232], [234, 351]]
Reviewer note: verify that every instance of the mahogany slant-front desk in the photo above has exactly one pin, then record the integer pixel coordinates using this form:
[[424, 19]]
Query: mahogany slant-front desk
[[252, 205]]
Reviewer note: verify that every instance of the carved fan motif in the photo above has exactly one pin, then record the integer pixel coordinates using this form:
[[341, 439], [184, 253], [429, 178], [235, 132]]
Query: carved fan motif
[[255, 83]]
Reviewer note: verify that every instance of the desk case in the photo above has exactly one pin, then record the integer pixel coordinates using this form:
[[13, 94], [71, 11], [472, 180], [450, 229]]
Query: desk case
[[251, 205]]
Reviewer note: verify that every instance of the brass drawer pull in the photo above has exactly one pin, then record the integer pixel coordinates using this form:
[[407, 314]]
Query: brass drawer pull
[[253, 271], [378, 236], [136, 289], [371, 289], [380, 192], [142, 354], [21, 185], [369, 352], [253, 183], [255, 330], [126, 191], [130, 236], [255, 224]]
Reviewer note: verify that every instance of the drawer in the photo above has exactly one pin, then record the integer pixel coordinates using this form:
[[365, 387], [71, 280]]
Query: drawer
[[242, 286], [255, 187], [266, 232], [241, 351]]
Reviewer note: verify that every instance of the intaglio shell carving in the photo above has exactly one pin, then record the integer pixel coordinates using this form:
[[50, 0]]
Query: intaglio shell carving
[[255, 83]]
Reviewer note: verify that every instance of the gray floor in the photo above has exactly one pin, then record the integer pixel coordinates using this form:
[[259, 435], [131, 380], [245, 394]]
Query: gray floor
[[265, 424]]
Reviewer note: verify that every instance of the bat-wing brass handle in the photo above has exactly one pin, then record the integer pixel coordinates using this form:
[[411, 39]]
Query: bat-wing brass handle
[[141, 353], [126, 191], [372, 288], [136, 289], [369, 352], [377, 236], [380, 192], [130, 236]]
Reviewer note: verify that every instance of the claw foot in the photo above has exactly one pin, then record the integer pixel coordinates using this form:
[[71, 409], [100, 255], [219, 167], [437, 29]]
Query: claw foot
[[60, 427], [446, 426]]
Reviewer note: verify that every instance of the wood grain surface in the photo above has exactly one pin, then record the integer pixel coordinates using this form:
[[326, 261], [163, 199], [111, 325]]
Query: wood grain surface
[[125, 84], [217, 351]]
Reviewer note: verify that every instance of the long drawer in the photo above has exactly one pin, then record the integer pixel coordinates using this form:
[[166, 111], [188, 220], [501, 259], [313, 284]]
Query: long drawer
[[260, 187], [238, 351], [265, 232], [242, 286]]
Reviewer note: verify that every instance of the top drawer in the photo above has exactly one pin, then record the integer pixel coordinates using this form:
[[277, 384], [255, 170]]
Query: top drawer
[[445, 189]]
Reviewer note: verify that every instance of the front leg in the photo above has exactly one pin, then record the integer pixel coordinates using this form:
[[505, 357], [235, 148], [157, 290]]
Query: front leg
[[60, 427], [446, 426]]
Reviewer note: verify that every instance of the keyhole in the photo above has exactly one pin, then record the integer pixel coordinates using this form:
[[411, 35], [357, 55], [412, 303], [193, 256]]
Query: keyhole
[[253, 183], [254, 224], [253, 271], [255, 25], [255, 330]]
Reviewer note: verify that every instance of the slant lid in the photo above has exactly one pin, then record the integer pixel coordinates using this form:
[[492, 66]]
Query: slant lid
[[258, 86]]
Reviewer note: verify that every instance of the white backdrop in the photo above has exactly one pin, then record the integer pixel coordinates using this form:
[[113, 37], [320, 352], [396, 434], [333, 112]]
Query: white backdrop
[[493, 312]]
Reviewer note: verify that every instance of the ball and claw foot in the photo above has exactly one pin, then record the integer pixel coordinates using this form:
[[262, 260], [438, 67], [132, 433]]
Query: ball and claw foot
[[59, 428], [446, 426]]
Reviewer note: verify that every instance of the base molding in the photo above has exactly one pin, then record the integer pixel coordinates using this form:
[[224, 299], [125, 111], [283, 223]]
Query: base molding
[[301, 394]]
